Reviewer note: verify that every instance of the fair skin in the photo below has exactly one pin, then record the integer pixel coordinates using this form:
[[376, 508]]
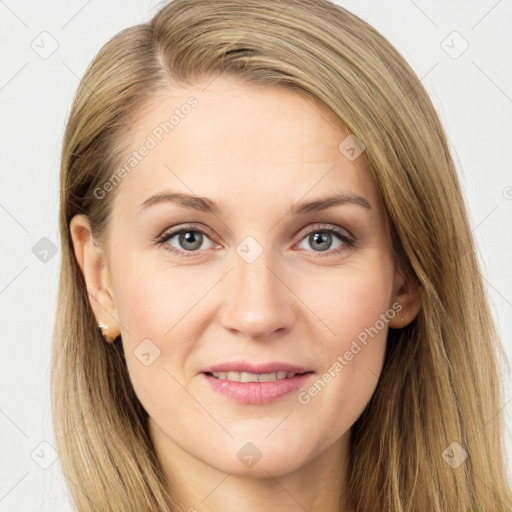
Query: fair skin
[[258, 151]]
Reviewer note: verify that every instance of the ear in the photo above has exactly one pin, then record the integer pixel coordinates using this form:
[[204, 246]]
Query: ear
[[407, 294], [92, 263]]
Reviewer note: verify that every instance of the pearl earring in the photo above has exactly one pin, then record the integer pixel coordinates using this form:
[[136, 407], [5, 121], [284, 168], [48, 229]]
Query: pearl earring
[[103, 328]]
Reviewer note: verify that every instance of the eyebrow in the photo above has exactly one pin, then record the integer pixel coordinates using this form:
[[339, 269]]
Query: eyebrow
[[209, 206]]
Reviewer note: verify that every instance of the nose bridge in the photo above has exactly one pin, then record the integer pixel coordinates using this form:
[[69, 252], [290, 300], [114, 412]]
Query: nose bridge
[[252, 274], [257, 301]]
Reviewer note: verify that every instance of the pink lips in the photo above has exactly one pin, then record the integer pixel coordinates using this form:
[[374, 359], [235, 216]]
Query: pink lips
[[256, 392]]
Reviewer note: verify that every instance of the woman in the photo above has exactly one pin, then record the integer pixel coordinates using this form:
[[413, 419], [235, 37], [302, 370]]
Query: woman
[[251, 369]]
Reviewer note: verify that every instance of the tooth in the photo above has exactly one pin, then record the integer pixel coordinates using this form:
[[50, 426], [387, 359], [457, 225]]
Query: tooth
[[266, 377], [248, 377], [253, 377]]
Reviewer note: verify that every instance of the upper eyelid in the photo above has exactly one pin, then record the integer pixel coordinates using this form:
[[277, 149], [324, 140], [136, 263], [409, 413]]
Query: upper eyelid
[[171, 232]]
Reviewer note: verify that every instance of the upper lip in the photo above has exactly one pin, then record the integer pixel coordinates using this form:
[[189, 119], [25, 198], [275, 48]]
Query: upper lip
[[243, 366]]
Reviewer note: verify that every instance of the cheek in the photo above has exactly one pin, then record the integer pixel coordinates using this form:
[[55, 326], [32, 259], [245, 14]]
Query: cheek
[[150, 299], [349, 301], [149, 306], [355, 308]]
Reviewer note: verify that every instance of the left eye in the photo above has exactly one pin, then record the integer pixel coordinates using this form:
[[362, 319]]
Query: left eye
[[323, 239]]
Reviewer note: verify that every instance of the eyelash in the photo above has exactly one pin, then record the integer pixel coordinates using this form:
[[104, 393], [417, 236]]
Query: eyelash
[[349, 241]]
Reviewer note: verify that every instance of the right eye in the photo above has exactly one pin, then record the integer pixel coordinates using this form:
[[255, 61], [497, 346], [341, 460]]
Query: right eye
[[188, 238]]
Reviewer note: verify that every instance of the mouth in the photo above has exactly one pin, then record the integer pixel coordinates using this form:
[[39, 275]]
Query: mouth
[[234, 376], [256, 387]]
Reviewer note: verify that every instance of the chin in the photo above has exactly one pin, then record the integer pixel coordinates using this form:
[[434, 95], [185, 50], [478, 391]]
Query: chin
[[266, 467], [258, 458]]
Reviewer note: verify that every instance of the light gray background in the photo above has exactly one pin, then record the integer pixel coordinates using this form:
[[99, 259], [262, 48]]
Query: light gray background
[[472, 93]]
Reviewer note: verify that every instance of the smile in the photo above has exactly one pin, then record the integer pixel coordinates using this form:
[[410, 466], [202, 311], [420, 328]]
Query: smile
[[253, 377]]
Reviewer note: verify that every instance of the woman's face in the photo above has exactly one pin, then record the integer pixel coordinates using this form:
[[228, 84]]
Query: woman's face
[[257, 279]]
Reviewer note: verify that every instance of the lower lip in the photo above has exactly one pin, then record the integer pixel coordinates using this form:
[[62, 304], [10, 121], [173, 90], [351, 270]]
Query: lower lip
[[257, 392]]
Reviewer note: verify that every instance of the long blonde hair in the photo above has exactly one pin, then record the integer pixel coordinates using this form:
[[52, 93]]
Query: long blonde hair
[[440, 383]]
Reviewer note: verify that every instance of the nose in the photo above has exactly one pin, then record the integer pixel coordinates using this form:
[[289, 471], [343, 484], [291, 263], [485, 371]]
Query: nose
[[259, 303]]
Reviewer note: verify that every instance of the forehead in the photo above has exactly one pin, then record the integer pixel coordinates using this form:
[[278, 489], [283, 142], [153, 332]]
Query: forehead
[[235, 141]]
